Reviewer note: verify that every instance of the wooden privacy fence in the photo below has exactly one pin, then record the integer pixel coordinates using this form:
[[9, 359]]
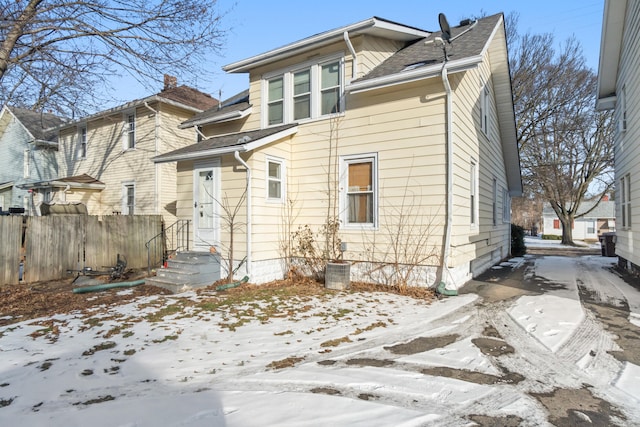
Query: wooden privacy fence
[[52, 245]]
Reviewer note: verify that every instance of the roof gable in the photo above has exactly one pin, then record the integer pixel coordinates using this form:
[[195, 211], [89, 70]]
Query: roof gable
[[37, 123], [374, 26]]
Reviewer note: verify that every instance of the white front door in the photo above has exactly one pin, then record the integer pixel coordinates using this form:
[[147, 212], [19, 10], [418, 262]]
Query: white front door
[[206, 191]]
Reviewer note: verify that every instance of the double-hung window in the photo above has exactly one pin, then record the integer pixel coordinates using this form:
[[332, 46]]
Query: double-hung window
[[359, 176], [494, 204], [82, 143], [302, 94], [275, 106], [130, 131], [473, 193], [484, 109], [506, 206], [309, 91], [275, 179], [128, 198], [625, 201], [330, 88]]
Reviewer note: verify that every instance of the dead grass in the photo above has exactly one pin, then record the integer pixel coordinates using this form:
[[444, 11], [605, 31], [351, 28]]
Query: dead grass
[[24, 302]]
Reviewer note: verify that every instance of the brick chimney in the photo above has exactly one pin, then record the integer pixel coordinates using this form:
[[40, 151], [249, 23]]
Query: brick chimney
[[170, 82]]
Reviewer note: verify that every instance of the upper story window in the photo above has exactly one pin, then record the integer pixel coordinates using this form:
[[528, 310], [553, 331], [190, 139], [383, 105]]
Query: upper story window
[[27, 163], [275, 109], [622, 123], [129, 141], [82, 143], [484, 109], [307, 92]]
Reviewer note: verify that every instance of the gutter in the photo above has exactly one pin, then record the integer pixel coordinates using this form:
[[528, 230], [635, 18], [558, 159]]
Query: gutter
[[156, 181], [226, 117], [421, 73], [236, 154], [354, 66]]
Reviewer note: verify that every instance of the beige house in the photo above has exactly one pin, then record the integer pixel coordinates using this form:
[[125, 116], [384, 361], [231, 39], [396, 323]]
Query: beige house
[[104, 159], [368, 127], [619, 89]]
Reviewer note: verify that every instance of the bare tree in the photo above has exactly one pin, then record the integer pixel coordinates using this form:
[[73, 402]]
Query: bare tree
[[54, 52], [566, 147]]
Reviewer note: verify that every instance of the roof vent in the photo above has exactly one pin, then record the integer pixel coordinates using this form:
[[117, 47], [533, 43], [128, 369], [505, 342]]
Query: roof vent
[[465, 22], [244, 139]]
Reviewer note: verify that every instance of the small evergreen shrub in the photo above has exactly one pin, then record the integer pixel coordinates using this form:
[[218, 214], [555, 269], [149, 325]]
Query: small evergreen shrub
[[551, 237], [518, 247]]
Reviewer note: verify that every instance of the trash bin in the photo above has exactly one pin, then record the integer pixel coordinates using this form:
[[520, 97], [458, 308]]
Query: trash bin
[[608, 244]]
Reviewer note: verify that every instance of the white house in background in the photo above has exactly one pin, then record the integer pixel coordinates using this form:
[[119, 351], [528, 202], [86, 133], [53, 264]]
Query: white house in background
[[619, 89], [602, 219]]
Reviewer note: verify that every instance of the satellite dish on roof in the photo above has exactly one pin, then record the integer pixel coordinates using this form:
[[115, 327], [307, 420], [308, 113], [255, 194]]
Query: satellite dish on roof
[[444, 27]]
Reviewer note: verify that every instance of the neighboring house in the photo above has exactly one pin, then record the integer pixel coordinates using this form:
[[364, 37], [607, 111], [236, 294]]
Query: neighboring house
[[356, 125], [619, 89], [104, 159], [601, 219], [27, 154]]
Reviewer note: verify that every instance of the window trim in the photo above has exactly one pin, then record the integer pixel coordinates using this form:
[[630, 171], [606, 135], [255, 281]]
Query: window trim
[[26, 164], [474, 188], [287, 75], [283, 179], [125, 195], [484, 108], [625, 201], [622, 120], [494, 203], [83, 139], [345, 161], [127, 131], [506, 206]]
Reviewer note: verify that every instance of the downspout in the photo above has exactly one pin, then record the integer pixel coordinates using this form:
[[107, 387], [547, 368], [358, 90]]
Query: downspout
[[236, 154], [354, 67], [156, 181], [441, 289]]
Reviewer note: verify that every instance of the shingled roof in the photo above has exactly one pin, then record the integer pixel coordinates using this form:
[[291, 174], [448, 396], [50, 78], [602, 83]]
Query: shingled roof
[[230, 109], [423, 58], [189, 96], [37, 123], [241, 141]]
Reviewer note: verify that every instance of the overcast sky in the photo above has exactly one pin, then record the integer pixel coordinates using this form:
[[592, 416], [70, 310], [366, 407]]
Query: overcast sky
[[256, 26]]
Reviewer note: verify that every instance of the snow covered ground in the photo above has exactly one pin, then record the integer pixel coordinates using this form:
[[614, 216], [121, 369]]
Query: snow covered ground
[[334, 360]]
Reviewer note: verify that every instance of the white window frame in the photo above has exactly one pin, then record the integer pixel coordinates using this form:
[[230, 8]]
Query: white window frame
[[128, 133], [83, 135], [625, 201], [281, 180], [316, 91], [345, 161], [126, 185], [506, 206], [473, 193], [622, 120], [484, 108], [26, 164], [494, 203]]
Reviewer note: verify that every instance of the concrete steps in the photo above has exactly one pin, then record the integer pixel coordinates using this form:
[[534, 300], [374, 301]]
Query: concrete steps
[[186, 271]]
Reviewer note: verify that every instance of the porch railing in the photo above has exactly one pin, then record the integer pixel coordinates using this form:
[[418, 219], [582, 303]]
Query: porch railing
[[170, 240]]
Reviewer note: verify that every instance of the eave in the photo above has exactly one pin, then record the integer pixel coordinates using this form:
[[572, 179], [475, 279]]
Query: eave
[[610, 50], [374, 26]]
